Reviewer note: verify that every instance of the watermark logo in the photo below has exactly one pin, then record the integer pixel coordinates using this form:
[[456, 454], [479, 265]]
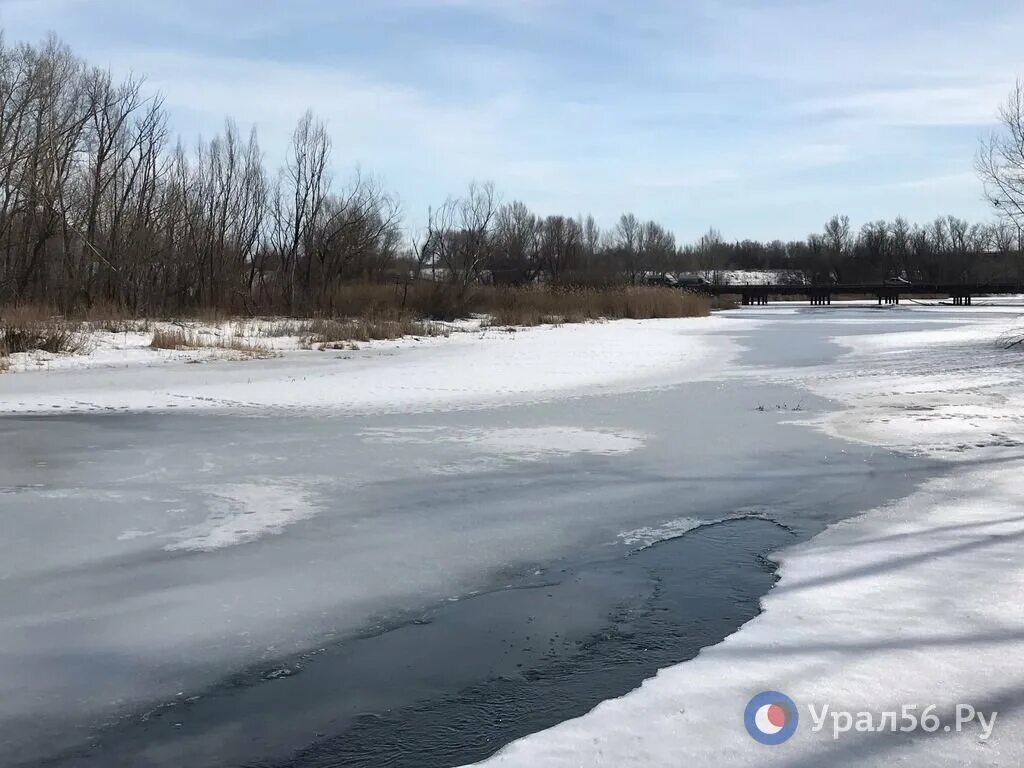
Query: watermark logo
[[771, 718]]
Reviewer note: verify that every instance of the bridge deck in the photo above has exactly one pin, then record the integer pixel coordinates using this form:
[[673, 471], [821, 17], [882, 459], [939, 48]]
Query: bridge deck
[[961, 293], [865, 289]]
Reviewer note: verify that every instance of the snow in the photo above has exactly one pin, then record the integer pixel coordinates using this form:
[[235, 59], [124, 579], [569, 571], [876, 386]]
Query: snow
[[651, 534], [519, 443], [917, 603], [752, 276], [131, 347], [487, 366]]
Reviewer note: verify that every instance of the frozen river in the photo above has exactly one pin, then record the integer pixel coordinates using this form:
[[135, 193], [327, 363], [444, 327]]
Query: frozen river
[[220, 588]]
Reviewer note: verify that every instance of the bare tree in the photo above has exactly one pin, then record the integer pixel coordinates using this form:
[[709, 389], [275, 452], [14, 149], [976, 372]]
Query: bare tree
[[657, 247], [836, 244], [1000, 159], [900, 234], [303, 187], [458, 240], [711, 254], [625, 241], [516, 252], [561, 246]]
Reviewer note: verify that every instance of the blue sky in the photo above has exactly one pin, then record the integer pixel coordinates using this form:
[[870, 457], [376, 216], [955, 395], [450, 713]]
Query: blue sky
[[759, 118]]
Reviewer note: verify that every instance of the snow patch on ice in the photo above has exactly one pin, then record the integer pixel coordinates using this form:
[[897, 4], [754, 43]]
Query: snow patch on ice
[[941, 393], [131, 534], [244, 513], [652, 534], [518, 443]]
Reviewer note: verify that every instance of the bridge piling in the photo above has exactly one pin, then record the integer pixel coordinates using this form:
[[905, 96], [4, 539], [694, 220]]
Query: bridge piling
[[889, 297], [960, 294]]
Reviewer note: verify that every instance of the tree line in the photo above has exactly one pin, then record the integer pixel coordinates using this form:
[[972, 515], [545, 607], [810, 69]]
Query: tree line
[[101, 204], [946, 250]]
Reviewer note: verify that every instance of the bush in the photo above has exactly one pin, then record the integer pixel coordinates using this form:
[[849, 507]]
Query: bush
[[537, 305], [30, 330], [327, 333], [511, 305], [181, 338]]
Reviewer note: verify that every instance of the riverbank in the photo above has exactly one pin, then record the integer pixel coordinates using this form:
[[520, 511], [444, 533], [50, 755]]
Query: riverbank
[[37, 337], [471, 367]]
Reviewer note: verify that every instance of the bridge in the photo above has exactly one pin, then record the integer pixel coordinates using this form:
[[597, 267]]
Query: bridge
[[962, 294]]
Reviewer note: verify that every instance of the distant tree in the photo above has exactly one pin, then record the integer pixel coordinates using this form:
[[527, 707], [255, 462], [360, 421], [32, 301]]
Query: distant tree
[[899, 247], [874, 246], [625, 244], [657, 248], [711, 252], [837, 242], [459, 238], [516, 255], [561, 246]]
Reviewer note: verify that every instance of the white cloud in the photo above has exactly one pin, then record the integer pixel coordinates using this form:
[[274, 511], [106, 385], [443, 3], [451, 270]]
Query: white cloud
[[944, 106]]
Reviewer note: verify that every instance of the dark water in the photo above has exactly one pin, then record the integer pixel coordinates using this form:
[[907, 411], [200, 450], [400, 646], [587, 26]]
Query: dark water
[[459, 681], [689, 593]]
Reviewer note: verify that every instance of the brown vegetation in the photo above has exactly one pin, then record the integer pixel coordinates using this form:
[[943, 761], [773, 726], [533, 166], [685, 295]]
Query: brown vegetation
[[183, 338], [329, 333], [28, 329], [535, 306]]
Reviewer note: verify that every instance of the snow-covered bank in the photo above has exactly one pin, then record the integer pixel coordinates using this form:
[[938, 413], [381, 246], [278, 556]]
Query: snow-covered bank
[[130, 346], [476, 367], [916, 604]]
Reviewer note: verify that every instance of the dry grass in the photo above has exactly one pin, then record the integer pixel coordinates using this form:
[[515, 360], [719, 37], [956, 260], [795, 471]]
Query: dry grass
[[535, 306], [330, 333], [123, 325], [510, 305], [184, 339], [725, 301], [30, 329], [394, 301]]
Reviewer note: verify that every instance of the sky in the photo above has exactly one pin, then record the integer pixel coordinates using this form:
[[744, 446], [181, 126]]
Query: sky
[[759, 118]]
